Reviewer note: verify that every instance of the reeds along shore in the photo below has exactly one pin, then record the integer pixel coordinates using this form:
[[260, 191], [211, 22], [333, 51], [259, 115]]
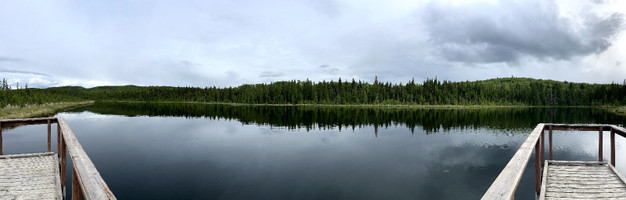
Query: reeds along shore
[[40, 110]]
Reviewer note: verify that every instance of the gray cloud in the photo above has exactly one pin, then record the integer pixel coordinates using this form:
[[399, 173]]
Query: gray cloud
[[327, 69], [509, 30], [228, 43], [598, 1], [332, 71], [10, 59], [605, 28], [271, 74], [22, 72]]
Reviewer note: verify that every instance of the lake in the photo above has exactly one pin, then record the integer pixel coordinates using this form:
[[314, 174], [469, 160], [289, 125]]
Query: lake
[[204, 151]]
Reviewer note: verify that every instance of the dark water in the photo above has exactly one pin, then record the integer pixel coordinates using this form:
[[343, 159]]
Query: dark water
[[196, 151]]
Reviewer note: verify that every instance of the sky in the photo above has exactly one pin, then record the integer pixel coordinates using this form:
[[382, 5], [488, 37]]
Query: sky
[[228, 43]]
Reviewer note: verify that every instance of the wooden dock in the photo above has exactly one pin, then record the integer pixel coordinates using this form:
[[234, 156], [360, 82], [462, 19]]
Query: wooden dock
[[562, 179], [42, 175], [581, 180], [30, 176]]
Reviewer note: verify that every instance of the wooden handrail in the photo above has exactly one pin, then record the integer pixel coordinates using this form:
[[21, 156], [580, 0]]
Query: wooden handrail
[[91, 183], [28, 121], [506, 183], [580, 127], [619, 130]]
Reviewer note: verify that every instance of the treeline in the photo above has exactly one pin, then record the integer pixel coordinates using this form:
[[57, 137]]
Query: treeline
[[320, 117], [500, 91]]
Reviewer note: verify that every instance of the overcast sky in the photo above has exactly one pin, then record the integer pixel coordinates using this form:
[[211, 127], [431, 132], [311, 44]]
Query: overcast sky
[[228, 43]]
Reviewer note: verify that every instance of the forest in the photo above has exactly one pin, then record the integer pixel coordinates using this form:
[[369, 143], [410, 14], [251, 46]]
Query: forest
[[326, 117], [498, 91]]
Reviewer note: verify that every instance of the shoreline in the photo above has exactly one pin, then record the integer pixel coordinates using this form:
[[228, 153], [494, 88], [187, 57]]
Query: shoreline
[[407, 106], [40, 110], [48, 109], [618, 110]]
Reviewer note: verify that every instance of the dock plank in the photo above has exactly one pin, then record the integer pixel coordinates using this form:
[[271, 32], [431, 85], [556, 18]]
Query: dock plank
[[582, 180], [29, 176]]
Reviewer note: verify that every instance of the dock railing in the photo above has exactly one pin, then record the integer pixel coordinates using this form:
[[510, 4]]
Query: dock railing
[[86, 180], [506, 183]]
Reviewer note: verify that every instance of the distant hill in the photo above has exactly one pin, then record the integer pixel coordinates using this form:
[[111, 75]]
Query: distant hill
[[498, 91]]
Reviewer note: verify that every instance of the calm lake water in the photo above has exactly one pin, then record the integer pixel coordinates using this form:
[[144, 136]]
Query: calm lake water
[[197, 151]]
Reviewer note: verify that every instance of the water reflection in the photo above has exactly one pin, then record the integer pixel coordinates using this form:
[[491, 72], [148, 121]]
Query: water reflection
[[197, 151], [309, 117]]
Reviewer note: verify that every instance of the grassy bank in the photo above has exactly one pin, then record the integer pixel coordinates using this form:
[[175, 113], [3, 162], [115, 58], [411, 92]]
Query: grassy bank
[[40, 110]]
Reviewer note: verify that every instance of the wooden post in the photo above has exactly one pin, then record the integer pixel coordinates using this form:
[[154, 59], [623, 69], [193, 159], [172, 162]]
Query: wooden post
[[612, 147], [537, 169], [49, 137], [600, 145], [60, 151], [58, 140], [63, 161], [543, 144], [76, 190], [0, 138], [550, 141]]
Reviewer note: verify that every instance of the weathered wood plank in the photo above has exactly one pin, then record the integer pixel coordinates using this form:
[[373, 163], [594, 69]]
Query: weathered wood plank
[[582, 186], [600, 182], [506, 183], [58, 179], [49, 136], [543, 145], [555, 198], [597, 175], [63, 163], [619, 130], [612, 147], [13, 156], [600, 144], [37, 119], [28, 121], [92, 184], [580, 168], [29, 176], [0, 138], [576, 163], [585, 190], [537, 168], [584, 182], [59, 140], [550, 141], [76, 188], [619, 175], [579, 127], [542, 194], [585, 195], [581, 171], [574, 168], [584, 176]]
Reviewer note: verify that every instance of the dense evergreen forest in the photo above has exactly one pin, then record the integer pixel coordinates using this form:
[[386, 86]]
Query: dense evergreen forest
[[500, 91], [320, 117]]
